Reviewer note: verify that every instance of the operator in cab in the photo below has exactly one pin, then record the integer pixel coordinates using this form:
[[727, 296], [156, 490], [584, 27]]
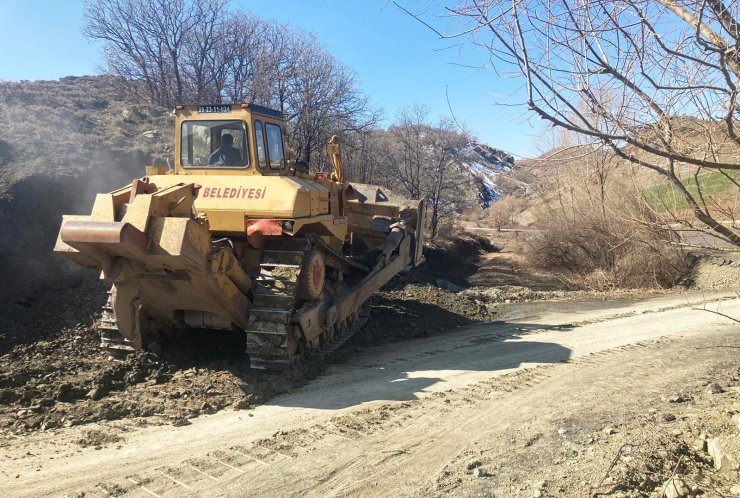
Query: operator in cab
[[227, 154]]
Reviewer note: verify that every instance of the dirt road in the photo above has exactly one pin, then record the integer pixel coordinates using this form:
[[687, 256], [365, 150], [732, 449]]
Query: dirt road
[[512, 408]]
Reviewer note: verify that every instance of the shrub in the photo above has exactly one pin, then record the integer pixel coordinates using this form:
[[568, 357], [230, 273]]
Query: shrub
[[504, 211], [597, 252]]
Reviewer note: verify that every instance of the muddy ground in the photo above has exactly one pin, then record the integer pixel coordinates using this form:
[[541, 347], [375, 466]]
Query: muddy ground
[[52, 373]]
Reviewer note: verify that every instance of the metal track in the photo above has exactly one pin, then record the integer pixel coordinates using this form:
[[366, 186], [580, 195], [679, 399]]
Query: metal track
[[275, 304], [332, 345], [111, 340]]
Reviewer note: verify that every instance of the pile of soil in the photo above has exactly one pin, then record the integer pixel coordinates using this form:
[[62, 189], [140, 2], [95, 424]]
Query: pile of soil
[[715, 271], [408, 311], [67, 380], [88, 137], [53, 373]]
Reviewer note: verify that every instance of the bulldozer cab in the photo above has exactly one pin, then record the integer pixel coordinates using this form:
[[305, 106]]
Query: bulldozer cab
[[229, 139]]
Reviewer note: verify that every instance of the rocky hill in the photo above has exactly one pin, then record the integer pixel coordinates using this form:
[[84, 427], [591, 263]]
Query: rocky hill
[[486, 165]]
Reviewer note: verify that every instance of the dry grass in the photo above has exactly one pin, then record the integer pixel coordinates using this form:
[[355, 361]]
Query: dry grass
[[603, 253]]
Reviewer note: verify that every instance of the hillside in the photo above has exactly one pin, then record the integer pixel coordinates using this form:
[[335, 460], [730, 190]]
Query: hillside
[[72, 126], [60, 143], [568, 178]]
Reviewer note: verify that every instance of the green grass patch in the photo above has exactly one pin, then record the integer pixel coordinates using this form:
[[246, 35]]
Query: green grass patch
[[714, 185]]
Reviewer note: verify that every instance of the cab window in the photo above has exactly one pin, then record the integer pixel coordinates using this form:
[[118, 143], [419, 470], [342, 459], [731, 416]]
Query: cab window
[[214, 144], [260, 142], [275, 146]]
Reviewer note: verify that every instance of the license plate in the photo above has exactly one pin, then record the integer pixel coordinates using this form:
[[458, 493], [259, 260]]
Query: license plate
[[214, 108]]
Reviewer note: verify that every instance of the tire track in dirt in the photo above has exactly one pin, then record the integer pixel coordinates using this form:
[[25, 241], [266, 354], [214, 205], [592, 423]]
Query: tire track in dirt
[[327, 457], [638, 380], [408, 420], [425, 435]]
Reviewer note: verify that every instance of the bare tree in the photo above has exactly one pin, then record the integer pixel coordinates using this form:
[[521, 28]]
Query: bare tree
[[656, 81], [428, 160], [201, 53], [235, 61], [146, 40], [503, 211], [447, 172], [363, 155], [407, 153], [323, 99], [589, 165], [270, 61], [182, 51]]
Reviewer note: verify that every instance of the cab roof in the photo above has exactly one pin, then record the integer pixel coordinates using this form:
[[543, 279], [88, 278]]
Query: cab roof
[[253, 108]]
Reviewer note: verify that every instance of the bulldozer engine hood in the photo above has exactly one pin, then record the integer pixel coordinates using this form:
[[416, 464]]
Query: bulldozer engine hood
[[227, 200]]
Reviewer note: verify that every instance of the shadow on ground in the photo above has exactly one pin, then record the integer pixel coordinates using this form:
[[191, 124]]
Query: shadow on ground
[[401, 372]]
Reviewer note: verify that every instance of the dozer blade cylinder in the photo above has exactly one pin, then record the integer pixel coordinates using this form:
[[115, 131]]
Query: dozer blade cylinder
[[114, 238]]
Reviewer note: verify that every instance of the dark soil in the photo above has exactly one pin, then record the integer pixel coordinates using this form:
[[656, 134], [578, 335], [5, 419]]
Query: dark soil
[[53, 374]]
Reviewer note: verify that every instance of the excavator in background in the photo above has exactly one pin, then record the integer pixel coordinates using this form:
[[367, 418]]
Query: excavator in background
[[235, 237]]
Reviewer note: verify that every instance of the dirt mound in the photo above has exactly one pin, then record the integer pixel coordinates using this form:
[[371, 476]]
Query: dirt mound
[[428, 300], [63, 142], [717, 272], [422, 310], [52, 372], [67, 380]]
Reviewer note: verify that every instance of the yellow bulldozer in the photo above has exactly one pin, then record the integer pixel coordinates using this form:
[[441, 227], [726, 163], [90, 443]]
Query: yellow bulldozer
[[232, 236]]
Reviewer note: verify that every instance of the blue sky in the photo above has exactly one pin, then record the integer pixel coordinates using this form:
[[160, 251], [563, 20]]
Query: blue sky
[[397, 60]]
